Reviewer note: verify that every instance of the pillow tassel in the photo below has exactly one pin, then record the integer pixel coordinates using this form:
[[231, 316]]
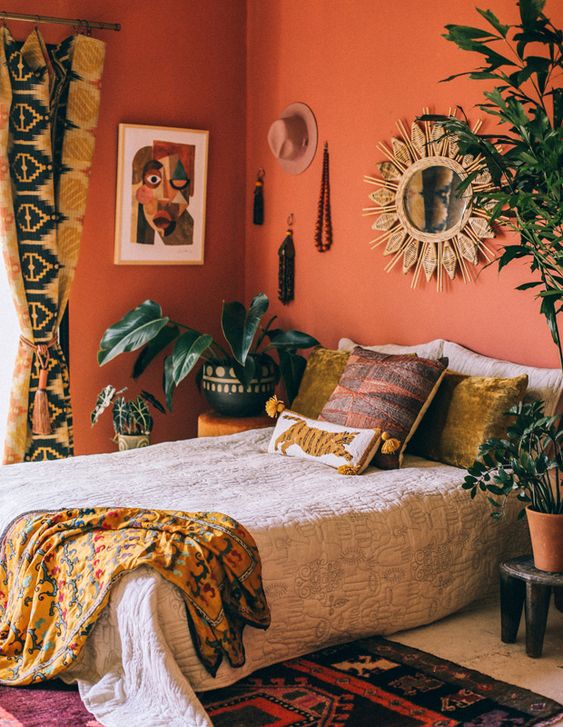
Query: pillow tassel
[[348, 469], [390, 444], [274, 407]]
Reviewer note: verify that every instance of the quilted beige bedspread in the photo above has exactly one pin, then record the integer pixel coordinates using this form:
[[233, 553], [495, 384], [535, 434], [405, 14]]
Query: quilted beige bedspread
[[343, 557]]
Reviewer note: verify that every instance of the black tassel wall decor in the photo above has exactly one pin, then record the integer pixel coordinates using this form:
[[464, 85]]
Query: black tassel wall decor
[[286, 271], [258, 205]]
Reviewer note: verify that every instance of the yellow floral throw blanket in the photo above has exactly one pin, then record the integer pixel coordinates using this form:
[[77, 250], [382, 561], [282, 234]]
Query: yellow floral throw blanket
[[57, 569]]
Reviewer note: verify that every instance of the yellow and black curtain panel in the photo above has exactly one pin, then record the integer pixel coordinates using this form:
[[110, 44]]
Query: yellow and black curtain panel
[[49, 101]]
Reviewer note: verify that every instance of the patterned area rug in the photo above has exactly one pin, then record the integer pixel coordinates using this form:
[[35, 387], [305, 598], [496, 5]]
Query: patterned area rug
[[368, 683], [375, 683]]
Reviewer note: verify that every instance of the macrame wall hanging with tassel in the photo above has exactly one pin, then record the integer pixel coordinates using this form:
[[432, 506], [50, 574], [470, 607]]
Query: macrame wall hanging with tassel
[[258, 205], [323, 228], [286, 270]]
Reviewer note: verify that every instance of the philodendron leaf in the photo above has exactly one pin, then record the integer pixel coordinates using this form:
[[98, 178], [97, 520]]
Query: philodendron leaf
[[292, 367], [105, 397], [121, 415], [187, 352], [240, 326], [168, 381], [153, 401], [292, 339], [245, 373], [134, 330], [153, 348]]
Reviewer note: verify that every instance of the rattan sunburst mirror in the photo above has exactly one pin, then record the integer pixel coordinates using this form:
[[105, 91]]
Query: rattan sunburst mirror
[[423, 218]]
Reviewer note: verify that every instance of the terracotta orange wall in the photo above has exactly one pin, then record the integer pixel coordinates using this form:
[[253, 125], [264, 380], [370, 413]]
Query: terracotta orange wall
[[177, 63], [361, 65]]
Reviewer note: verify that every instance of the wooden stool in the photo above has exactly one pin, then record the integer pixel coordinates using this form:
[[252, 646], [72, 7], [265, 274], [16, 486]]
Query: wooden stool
[[211, 424], [521, 582]]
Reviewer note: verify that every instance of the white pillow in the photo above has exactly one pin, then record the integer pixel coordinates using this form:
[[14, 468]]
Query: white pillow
[[546, 384], [432, 349], [348, 449]]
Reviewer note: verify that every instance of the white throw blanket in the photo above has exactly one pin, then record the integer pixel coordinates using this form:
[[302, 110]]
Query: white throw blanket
[[343, 558]]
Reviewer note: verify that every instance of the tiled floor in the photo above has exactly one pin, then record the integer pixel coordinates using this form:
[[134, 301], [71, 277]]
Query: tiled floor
[[472, 638]]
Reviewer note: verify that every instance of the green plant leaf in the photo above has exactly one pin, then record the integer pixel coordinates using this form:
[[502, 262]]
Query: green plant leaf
[[240, 326], [153, 348], [548, 309], [141, 420], [153, 401], [168, 380], [245, 373], [529, 11], [121, 415], [527, 286], [292, 367], [465, 31], [103, 400], [187, 352], [494, 21], [511, 252], [134, 330], [291, 339]]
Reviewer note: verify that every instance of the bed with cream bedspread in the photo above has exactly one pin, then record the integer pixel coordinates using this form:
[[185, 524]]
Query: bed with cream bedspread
[[343, 557]]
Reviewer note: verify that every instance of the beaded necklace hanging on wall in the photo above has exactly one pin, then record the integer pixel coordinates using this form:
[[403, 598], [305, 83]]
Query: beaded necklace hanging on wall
[[323, 228]]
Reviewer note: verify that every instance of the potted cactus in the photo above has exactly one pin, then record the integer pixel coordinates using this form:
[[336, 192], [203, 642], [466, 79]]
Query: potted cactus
[[132, 420]]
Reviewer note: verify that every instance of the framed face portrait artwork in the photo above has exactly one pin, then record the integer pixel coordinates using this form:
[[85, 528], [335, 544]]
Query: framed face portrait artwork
[[161, 189]]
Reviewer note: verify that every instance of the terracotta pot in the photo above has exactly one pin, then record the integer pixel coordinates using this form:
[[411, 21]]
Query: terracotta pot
[[132, 441], [546, 533]]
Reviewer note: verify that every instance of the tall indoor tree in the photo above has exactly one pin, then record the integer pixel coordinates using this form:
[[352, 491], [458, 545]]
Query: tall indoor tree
[[524, 152]]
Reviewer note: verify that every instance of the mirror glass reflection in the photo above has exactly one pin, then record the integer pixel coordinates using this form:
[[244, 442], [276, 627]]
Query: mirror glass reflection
[[432, 200]]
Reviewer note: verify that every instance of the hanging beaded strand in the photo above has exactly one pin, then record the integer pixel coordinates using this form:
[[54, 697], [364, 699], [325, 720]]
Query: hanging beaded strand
[[323, 228]]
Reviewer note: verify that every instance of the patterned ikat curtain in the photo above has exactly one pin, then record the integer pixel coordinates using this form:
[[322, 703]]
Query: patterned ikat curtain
[[49, 101]]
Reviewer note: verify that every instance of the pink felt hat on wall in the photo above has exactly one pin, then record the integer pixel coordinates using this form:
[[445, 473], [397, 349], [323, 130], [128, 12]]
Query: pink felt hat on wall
[[293, 138]]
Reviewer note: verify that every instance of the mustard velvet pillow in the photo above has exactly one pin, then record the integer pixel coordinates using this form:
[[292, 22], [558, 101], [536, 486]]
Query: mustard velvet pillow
[[465, 412], [322, 374]]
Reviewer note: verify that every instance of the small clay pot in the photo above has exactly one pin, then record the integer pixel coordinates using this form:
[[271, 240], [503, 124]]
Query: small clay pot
[[132, 441], [546, 533]]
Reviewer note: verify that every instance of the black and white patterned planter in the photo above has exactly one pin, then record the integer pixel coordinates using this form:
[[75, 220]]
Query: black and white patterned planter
[[227, 395]]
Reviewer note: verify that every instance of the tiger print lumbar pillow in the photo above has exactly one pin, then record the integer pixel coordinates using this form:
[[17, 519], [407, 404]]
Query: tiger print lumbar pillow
[[348, 449]]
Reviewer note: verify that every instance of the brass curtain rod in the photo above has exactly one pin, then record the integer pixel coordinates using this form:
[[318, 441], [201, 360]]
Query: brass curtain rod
[[61, 21]]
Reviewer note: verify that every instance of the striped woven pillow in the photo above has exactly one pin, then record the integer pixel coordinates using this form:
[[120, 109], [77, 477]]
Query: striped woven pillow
[[385, 391]]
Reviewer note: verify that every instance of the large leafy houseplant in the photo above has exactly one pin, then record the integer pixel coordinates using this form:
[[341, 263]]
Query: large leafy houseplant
[[524, 154], [249, 344]]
